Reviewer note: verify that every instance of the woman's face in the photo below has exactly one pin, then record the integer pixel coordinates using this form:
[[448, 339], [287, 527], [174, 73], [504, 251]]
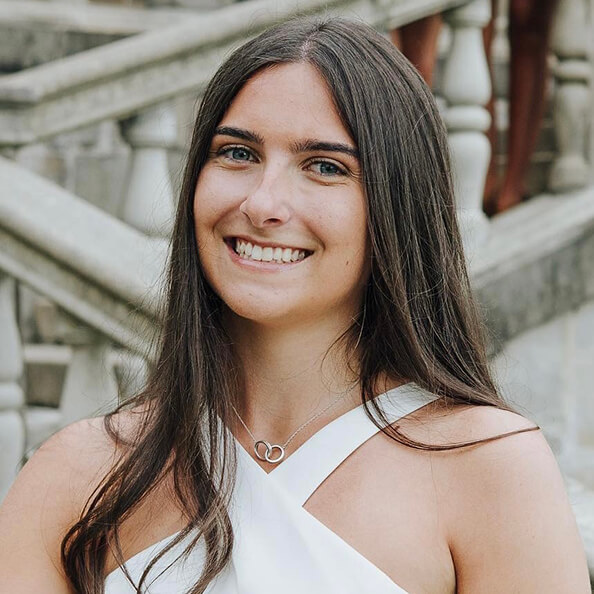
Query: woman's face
[[279, 206]]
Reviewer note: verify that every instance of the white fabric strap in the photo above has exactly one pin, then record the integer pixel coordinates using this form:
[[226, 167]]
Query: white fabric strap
[[307, 468]]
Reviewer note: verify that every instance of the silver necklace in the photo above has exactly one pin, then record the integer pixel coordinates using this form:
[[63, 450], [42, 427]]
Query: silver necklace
[[270, 448]]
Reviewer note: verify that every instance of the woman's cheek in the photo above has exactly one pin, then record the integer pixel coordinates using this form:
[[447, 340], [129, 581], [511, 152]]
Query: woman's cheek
[[222, 189]]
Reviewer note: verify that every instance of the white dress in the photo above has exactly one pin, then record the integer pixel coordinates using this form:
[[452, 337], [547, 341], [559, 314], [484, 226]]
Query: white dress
[[279, 546]]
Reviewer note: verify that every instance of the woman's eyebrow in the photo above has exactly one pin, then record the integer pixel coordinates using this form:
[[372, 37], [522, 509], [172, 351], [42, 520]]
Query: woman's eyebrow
[[239, 133], [311, 144], [299, 146]]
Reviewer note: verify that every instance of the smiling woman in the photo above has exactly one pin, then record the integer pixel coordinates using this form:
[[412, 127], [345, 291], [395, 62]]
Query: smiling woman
[[321, 416]]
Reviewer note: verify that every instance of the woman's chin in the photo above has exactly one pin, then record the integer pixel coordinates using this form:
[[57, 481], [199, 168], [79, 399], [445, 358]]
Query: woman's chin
[[268, 314]]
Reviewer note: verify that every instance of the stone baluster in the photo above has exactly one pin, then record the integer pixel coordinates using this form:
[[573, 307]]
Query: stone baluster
[[48, 162], [12, 430], [131, 371], [466, 89], [148, 204], [90, 385], [572, 108]]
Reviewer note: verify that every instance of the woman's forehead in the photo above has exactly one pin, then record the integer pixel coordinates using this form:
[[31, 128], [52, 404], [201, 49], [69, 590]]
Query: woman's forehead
[[290, 99]]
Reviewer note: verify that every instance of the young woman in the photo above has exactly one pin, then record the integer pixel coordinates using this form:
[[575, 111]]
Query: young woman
[[321, 365]]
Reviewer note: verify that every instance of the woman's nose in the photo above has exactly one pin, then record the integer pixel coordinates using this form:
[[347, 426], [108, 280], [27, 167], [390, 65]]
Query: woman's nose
[[267, 204]]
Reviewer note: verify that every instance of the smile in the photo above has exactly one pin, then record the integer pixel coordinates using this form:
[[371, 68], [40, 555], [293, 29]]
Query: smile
[[247, 250]]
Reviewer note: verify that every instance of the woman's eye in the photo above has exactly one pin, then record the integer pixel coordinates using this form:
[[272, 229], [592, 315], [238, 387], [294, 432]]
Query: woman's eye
[[236, 153], [327, 168]]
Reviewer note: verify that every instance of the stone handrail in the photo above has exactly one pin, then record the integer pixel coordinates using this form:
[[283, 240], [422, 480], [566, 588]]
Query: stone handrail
[[541, 252], [87, 18], [129, 75], [98, 269], [36, 32]]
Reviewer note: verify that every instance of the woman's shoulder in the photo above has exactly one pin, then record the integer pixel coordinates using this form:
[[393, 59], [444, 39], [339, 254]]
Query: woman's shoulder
[[46, 499], [78, 455], [462, 442], [441, 423], [63, 467], [503, 500], [471, 446]]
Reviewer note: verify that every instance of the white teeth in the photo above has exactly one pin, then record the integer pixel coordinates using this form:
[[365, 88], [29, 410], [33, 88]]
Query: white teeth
[[256, 253], [248, 251]]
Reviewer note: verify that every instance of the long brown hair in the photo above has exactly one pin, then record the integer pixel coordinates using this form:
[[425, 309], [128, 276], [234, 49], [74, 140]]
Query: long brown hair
[[418, 321]]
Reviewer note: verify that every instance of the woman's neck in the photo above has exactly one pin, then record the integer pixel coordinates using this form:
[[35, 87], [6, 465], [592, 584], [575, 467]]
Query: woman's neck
[[290, 374]]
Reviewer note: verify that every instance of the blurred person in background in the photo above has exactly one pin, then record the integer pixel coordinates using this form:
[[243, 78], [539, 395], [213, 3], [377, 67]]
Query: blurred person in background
[[529, 29]]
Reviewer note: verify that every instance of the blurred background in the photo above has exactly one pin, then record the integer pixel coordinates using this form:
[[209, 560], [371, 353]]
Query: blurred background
[[97, 101]]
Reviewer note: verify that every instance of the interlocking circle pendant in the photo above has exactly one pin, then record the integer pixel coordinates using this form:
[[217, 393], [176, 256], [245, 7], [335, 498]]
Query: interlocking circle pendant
[[268, 451]]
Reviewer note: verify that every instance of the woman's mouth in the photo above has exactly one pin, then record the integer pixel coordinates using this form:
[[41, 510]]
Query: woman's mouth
[[274, 253]]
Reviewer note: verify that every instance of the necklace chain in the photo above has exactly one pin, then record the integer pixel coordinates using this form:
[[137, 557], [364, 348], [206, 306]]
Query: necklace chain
[[269, 447]]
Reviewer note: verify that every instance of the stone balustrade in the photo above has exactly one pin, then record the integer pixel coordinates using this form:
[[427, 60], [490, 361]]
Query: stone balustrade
[[148, 204], [34, 32], [94, 267], [122, 78]]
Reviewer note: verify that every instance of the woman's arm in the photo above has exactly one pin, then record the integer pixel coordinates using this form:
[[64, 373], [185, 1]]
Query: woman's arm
[[511, 525], [43, 503]]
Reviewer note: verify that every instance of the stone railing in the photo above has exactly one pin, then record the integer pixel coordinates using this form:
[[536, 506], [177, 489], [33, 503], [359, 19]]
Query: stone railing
[[103, 274], [35, 32], [573, 106]]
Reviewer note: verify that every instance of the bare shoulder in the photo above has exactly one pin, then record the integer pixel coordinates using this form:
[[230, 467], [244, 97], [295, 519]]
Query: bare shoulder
[[509, 523], [441, 424], [46, 499]]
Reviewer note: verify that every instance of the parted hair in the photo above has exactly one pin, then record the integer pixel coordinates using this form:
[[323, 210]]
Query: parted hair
[[418, 319]]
